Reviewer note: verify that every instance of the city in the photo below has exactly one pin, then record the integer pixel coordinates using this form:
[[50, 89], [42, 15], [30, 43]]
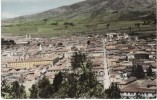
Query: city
[[113, 58], [78, 49]]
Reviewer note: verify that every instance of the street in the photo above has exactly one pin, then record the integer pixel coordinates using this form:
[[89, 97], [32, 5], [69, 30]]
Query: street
[[107, 80]]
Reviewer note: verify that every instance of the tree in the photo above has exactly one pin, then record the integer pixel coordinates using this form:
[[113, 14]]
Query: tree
[[45, 20], [22, 92], [34, 92], [108, 25], [60, 44], [130, 28], [57, 81], [113, 92], [144, 22], [80, 62], [72, 89], [151, 18], [137, 71], [140, 71], [71, 85], [68, 23], [62, 91], [66, 26], [87, 84], [45, 88], [133, 72], [17, 91], [5, 90], [12, 42], [68, 88], [89, 87], [54, 23], [88, 42], [38, 44], [149, 71], [82, 84], [28, 43], [8, 42], [138, 25]]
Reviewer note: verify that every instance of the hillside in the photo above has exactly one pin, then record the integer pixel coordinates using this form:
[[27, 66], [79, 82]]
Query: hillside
[[84, 13], [93, 8]]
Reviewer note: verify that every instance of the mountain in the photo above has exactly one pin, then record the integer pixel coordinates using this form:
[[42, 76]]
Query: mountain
[[95, 10]]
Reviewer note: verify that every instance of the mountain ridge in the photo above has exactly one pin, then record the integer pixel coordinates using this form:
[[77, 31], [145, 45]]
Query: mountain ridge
[[92, 9]]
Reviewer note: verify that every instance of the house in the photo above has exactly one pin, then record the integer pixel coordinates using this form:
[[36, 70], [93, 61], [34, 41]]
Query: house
[[123, 83], [139, 88]]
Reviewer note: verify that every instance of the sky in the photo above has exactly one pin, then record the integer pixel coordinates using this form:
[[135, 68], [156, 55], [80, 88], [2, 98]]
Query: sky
[[15, 8]]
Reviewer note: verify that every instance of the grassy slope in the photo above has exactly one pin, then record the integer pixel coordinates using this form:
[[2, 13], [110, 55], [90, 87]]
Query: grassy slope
[[41, 28]]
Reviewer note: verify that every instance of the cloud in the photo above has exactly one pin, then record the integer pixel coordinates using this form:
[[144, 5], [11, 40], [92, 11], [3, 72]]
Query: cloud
[[8, 15]]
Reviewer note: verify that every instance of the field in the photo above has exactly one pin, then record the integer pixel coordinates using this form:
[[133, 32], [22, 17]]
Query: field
[[50, 28]]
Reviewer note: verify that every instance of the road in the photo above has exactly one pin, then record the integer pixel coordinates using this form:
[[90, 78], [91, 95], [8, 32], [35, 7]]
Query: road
[[107, 80]]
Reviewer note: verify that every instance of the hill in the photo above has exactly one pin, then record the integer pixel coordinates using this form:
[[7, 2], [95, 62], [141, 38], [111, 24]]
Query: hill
[[87, 12], [93, 8]]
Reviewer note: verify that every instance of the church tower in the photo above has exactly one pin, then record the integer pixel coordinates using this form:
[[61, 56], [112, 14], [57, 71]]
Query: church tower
[[26, 36], [40, 48], [29, 36]]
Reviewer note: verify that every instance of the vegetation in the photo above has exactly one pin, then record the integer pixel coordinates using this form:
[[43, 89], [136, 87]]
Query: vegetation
[[17, 91], [137, 71], [13, 91], [45, 88], [70, 24], [108, 25], [113, 92], [45, 20], [5, 90], [80, 83], [57, 81], [88, 42], [138, 25], [37, 28], [34, 91], [149, 19], [79, 18], [54, 23], [149, 71], [7, 42]]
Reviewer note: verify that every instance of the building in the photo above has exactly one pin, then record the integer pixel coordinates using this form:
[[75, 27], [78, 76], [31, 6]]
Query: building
[[145, 89], [28, 63]]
